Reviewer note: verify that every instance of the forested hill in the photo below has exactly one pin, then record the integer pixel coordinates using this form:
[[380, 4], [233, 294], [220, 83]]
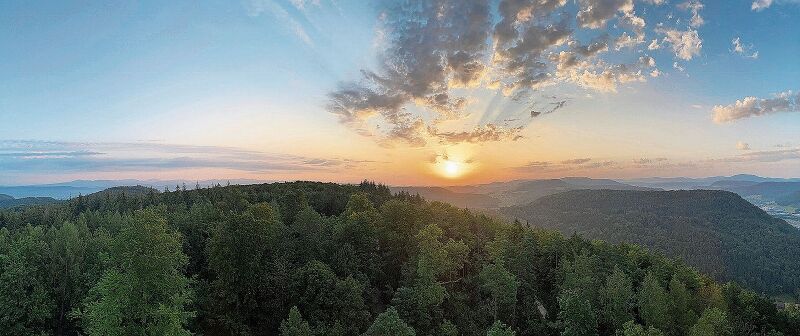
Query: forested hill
[[717, 231], [311, 258]]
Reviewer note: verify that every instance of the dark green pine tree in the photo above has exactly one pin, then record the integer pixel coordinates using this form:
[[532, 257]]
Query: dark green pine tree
[[295, 325], [500, 329]]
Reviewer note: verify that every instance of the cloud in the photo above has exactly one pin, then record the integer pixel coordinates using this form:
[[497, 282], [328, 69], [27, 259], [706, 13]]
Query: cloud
[[647, 161], [435, 54], [685, 44], [759, 5], [565, 165], [744, 50], [595, 13], [752, 106], [765, 156], [256, 8], [43, 157], [303, 4], [576, 161], [694, 6], [486, 133], [742, 146]]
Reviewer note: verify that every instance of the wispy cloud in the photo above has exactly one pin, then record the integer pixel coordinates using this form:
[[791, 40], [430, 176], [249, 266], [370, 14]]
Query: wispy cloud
[[564, 165], [765, 156], [256, 8], [59, 157], [759, 5], [741, 145], [745, 50]]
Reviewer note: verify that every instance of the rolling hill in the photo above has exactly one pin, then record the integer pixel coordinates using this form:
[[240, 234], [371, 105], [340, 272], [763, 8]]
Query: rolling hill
[[7, 201], [464, 200], [503, 194], [716, 231]]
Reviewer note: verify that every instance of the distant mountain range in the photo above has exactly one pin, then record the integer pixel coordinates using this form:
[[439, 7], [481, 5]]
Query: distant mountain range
[[67, 190], [716, 231], [783, 194], [688, 183], [500, 194]]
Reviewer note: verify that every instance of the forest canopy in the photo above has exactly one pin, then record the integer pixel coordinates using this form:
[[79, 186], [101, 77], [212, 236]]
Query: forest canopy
[[308, 258]]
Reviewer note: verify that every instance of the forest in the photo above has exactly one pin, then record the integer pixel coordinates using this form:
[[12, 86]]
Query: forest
[[310, 258], [718, 232]]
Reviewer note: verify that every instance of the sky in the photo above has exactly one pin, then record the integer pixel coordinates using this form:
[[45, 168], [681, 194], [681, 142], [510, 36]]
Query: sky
[[438, 92]]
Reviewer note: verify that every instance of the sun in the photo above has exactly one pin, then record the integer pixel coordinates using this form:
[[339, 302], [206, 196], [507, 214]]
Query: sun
[[452, 169]]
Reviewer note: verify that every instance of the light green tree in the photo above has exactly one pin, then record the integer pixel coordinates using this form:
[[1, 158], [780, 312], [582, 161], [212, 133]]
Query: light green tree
[[713, 322], [389, 323], [502, 285], [654, 304], [576, 314], [144, 291], [618, 298]]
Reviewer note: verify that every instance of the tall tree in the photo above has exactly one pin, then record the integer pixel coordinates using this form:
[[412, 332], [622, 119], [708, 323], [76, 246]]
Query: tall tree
[[502, 286], [684, 316], [295, 325], [249, 280], [576, 314], [389, 323], [144, 291], [654, 304], [26, 300], [618, 299], [631, 328], [713, 322], [500, 329]]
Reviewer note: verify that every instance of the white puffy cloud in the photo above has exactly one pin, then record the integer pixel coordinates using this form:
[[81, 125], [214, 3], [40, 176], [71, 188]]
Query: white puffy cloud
[[685, 44], [752, 106]]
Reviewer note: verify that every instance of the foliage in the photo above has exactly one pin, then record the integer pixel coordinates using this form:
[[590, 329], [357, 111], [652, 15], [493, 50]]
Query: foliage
[[717, 232], [295, 325], [389, 323], [354, 259]]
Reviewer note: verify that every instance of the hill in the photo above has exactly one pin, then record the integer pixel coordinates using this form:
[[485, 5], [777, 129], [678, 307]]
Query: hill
[[310, 258], [464, 200], [131, 191], [10, 202], [717, 231], [502, 194]]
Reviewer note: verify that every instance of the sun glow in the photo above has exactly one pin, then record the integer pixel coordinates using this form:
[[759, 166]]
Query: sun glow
[[452, 169]]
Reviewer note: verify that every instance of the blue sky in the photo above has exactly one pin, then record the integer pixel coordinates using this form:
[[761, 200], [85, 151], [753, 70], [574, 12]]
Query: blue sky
[[309, 80]]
